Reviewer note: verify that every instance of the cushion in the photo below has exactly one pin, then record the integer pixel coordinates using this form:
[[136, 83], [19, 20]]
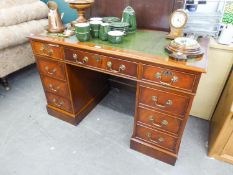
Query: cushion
[[17, 34], [25, 12], [11, 3]]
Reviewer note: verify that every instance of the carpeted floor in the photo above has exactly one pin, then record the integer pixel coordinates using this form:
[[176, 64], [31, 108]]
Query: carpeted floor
[[32, 142]]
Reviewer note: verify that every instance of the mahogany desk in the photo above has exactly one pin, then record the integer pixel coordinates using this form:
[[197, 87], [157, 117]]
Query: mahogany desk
[[74, 77]]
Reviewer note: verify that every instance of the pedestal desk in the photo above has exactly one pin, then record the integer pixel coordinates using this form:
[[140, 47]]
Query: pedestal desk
[[75, 78]]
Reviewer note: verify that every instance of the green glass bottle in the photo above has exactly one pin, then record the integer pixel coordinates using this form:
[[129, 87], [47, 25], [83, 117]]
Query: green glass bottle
[[129, 16]]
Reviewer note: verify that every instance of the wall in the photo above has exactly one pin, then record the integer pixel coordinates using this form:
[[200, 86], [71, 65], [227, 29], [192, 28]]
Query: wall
[[69, 14], [220, 60]]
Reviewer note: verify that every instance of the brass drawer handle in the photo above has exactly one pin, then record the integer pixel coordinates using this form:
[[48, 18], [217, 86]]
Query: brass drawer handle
[[42, 49], [85, 60], [46, 50], [149, 137], [159, 76], [155, 99], [163, 123], [58, 104], [75, 56], [54, 89], [50, 52], [109, 65], [49, 71], [122, 67]]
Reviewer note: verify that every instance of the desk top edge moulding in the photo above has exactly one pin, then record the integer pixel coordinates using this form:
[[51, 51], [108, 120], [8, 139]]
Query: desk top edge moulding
[[75, 77]]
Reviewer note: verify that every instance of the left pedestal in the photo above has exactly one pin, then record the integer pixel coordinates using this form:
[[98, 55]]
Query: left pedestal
[[71, 91]]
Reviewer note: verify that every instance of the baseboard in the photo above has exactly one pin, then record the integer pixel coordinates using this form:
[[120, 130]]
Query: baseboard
[[152, 151]]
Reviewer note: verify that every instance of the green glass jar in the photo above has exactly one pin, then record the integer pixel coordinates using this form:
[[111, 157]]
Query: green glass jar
[[103, 32], [95, 27]]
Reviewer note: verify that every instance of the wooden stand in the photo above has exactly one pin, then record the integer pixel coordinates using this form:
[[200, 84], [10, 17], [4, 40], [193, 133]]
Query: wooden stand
[[81, 10]]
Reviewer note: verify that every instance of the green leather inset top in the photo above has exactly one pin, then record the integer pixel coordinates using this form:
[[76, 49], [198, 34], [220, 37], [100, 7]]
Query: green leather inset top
[[144, 41]]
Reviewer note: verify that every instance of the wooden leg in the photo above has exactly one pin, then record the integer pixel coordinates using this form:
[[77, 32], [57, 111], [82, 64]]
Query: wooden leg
[[5, 83]]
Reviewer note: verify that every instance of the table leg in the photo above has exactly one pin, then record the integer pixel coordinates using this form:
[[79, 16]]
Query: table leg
[[5, 83]]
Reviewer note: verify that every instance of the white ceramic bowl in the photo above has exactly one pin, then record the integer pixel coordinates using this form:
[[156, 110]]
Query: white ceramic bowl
[[96, 19], [105, 24], [115, 37], [116, 33], [82, 25], [96, 22]]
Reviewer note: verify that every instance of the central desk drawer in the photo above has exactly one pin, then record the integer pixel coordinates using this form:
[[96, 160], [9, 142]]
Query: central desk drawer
[[119, 66], [156, 137], [59, 102], [55, 86], [164, 100], [52, 69], [158, 120], [169, 77], [84, 58]]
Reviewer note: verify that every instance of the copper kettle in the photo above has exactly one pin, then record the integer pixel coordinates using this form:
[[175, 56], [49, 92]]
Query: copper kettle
[[54, 18]]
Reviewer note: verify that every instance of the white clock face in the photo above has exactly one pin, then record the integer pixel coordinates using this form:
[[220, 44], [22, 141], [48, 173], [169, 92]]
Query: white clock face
[[178, 19]]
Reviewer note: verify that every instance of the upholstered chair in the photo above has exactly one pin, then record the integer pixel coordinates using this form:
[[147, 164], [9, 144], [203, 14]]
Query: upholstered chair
[[18, 19]]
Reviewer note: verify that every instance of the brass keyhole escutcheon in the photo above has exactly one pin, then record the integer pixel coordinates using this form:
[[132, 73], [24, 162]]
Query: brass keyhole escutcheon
[[97, 59], [148, 135], [151, 118]]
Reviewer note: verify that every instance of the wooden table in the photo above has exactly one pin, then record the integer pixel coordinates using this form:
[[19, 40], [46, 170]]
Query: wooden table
[[75, 78]]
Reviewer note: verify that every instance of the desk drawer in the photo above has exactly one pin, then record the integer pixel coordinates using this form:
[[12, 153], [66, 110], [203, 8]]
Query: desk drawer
[[59, 102], [84, 58], [121, 67], [168, 77], [51, 68], [164, 100], [158, 120], [55, 86], [156, 137], [50, 50]]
